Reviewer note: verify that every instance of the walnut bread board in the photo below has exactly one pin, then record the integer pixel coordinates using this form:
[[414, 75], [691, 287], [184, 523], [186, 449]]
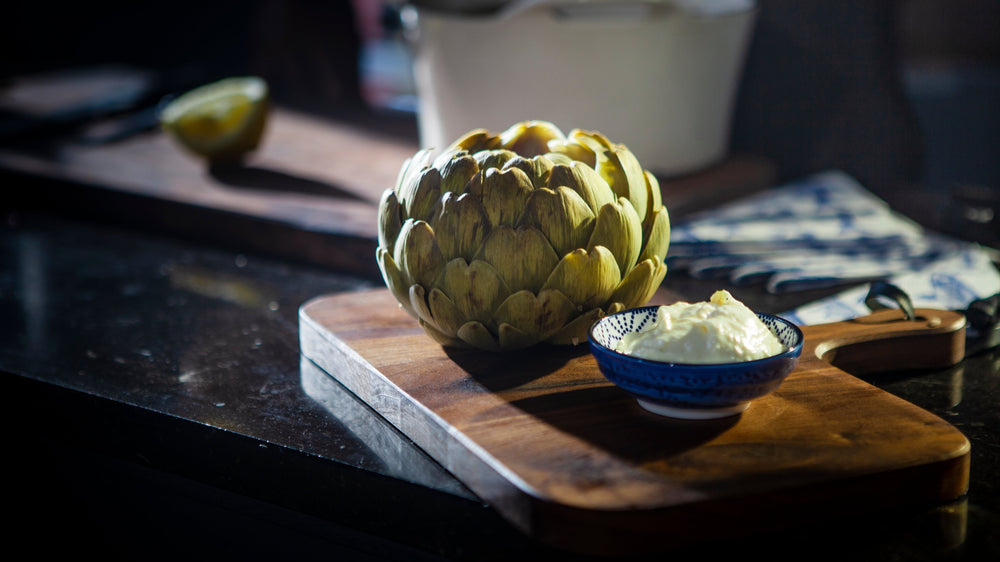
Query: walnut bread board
[[573, 461]]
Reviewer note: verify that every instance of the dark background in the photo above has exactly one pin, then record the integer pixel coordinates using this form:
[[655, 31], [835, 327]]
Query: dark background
[[904, 95]]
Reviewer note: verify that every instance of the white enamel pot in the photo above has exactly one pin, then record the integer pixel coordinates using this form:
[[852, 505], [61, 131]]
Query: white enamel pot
[[660, 77]]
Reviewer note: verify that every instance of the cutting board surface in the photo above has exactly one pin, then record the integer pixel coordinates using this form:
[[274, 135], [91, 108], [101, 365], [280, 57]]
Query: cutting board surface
[[572, 460]]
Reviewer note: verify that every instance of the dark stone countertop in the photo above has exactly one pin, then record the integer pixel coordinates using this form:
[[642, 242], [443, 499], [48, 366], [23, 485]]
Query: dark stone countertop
[[156, 406]]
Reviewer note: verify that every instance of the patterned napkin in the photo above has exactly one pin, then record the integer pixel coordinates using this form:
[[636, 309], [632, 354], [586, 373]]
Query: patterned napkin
[[826, 230], [951, 283]]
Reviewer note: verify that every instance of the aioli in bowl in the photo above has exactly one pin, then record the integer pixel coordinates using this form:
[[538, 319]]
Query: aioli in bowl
[[721, 330]]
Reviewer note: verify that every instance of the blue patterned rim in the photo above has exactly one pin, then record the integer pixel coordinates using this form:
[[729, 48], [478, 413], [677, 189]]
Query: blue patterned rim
[[685, 389]]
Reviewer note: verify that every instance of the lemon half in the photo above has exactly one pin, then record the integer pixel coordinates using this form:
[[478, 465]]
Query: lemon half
[[221, 121]]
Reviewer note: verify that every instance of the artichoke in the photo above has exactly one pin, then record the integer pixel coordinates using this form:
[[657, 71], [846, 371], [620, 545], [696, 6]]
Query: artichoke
[[505, 241]]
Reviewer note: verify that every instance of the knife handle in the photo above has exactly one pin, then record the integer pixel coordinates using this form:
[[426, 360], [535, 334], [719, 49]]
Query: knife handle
[[887, 341]]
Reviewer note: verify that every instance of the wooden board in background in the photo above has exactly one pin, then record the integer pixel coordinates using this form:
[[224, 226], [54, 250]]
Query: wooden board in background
[[310, 192]]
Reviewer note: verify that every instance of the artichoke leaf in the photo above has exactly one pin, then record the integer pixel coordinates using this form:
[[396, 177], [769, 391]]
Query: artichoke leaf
[[476, 140], [594, 139], [441, 160], [512, 338], [487, 159], [476, 335], [417, 253], [460, 226], [618, 229], [410, 171], [577, 330], [640, 284], [636, 177], [442, 338], [418, 301], [523, 257], [447, 317], [585, 181], [394, 279], [654, 196], [594, 142], [541, 168], [537, 169], [389, 220], [504, 194], [530, 138], [537, 316], [561, 215], [571, 151], [456, 172], [475, 288], [558, 158], [586, 278], [523, 164], [619, 167], [657, 239], [658, 276], [424, 197]]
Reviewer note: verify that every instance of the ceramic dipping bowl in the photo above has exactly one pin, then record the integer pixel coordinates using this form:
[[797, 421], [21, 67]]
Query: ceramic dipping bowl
[[688, 390]]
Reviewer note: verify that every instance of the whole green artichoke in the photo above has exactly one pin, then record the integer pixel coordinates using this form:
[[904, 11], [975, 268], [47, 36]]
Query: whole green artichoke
[[504, 241]]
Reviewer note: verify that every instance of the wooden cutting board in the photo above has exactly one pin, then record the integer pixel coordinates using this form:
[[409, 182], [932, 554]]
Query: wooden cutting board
[[573, 461], [310, 191]]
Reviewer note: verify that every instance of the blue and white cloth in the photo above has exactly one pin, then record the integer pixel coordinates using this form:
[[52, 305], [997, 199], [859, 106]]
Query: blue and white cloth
[[826, 230]]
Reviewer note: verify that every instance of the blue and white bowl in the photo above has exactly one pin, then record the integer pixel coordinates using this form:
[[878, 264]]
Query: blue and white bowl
[[688, 390]]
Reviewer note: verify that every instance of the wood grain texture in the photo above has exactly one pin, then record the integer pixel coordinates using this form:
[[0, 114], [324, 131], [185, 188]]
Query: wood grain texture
[[310, 192], [572, 460]]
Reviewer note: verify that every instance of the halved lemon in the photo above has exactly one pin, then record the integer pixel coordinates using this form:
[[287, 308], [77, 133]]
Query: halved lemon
[[221, 121]]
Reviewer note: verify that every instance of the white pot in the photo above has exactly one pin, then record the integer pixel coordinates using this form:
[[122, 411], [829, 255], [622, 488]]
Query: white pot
[[653, 75]]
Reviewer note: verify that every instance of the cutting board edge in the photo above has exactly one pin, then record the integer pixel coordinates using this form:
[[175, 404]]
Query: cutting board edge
[[532, 513], [670, 527], [501, 488], [959, 447], [604, 529]]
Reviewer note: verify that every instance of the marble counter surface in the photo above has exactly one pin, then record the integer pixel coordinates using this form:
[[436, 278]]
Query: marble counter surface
[[156, 403]]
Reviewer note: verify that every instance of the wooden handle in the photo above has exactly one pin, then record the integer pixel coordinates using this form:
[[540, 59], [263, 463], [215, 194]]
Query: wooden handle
[[886, 341]]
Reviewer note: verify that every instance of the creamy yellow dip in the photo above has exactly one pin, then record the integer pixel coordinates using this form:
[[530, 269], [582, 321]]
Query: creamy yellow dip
[[722, 330]]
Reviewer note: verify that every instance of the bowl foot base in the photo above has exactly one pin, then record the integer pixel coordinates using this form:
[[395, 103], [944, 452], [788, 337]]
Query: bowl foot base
[[693, 413]]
